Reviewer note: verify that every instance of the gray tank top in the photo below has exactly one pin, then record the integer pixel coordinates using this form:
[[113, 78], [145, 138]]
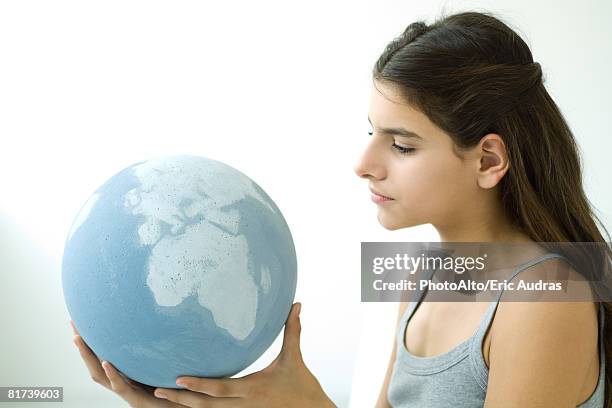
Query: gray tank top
[[458, 378]]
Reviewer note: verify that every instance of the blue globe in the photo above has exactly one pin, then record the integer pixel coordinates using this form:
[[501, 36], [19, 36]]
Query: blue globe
[[179, 265]]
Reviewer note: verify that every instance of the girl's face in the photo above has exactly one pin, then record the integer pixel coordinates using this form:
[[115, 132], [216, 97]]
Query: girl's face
[[411, 160]]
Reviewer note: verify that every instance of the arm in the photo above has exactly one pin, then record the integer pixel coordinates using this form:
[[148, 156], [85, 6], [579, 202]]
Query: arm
[[540, 353], [382, 397]]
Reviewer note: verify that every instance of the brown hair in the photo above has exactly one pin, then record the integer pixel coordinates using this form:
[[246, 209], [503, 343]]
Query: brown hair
[[472, 75]]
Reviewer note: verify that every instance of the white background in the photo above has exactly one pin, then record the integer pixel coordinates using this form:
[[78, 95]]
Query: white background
[[277, 89]]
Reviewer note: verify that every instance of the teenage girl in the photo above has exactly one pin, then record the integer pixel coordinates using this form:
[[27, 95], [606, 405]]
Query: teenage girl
[[465, 137]]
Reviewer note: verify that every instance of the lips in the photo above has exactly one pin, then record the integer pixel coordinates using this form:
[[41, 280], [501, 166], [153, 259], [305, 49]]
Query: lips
[[380, 194], [379, 198]]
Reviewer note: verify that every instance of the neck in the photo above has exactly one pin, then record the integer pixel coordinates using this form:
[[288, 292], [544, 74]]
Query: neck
[[488, 223], [481, 225], [481, 233], [500, 257]]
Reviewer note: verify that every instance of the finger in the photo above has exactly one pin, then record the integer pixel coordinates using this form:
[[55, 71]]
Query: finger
[[291, 335], [135, 384], [74, 330], [91, 361], [226, 387], [196, 399], [119, 385]]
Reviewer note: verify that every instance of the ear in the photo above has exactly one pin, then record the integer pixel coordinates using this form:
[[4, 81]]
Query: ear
[[493, 160]]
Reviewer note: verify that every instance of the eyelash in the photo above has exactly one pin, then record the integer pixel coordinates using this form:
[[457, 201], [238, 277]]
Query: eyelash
[[401, 149], [404, 150]]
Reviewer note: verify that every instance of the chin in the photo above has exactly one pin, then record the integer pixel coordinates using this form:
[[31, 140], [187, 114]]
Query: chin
[[394, 224], [390, 224]]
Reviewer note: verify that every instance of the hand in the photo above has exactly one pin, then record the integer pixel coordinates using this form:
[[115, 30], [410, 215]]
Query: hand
[[134, 393], [286, 382]]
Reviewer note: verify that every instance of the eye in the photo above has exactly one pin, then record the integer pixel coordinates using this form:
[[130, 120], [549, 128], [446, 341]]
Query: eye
[[403, 150]]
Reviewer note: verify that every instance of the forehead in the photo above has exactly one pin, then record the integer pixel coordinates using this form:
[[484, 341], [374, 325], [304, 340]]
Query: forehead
[[388, 108]]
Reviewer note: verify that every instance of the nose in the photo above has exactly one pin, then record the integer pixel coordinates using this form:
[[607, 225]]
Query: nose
[[371, 163]]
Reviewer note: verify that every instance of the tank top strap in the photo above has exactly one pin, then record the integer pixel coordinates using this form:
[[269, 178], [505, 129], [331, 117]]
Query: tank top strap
[[602, 322], [493, 305], [416, 299], [602, 350], [478, 364]]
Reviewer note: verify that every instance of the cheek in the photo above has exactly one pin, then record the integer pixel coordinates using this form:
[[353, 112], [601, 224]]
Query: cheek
[[431, 184]]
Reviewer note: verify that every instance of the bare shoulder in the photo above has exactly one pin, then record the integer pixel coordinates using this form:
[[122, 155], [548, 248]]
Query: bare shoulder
[[553, 322], [544, 349], [528, 324]]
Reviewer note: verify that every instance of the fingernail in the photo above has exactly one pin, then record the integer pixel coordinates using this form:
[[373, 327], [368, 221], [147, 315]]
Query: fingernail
[[160, 394], [299, 309], [180, 381]]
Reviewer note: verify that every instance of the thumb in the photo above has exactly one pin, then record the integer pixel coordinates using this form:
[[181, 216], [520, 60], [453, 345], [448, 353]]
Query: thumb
[[293, 328]]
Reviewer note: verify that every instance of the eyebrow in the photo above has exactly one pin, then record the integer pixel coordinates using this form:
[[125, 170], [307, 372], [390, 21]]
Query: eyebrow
[[398, 132]]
